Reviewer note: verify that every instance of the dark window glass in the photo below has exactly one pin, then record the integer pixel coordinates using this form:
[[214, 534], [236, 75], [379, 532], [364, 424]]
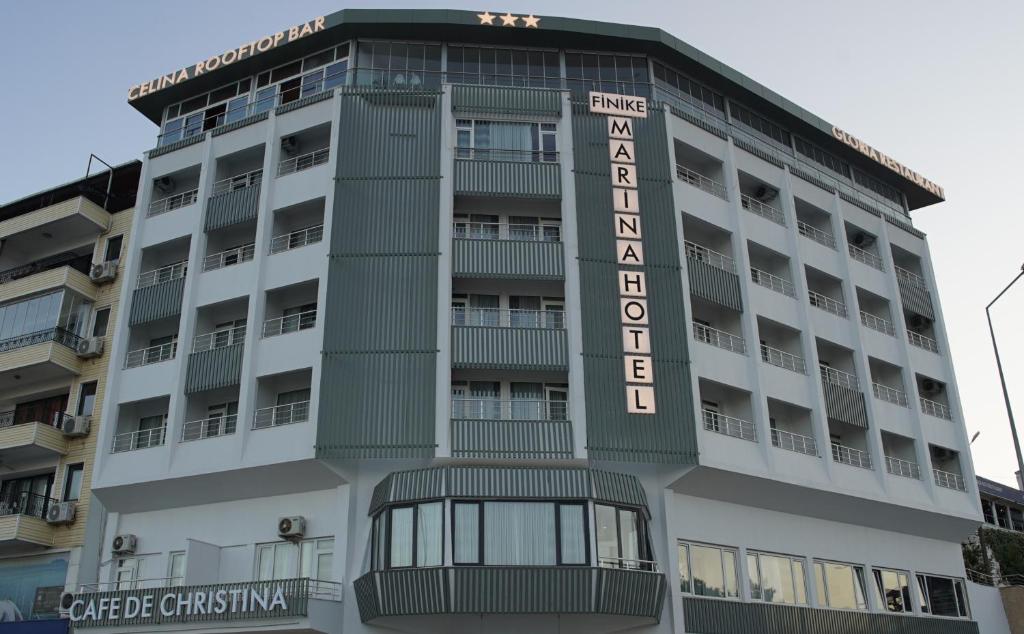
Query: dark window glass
[[194, 104], [73, 482], [285, 72], [87, 399], [227, 92], [113, 250], [99, 323], [315, 61]]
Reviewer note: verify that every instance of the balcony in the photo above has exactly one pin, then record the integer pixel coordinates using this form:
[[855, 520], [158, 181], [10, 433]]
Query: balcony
[[296, 239], [719, 338], [759, 208], [234, 200], [76, 217], [949, 480], [866, 257], [826, 304], [77, 262], [782, 359], [817, 235], [516, 429], [713, 276], [152, 354], [698, 180], [914, 293], [889, 394], [289, 323], [278, 415], [23, 522], [170, 203], [843, 398], [230, 257], [303, 162], [923, 342], [773, 282], [902, 468], [794, 442], [216, 360], [729, 426], [209, 427], [875, 322], [850, 456], [140, 439], [503, 251], [509, 339], [31, 441], [158, 294], [936, 409], [713, 258], [57, 335], [507, 173]]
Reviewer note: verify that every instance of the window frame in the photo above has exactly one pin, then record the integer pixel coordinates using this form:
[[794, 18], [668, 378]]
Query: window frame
[[539, 131], [793, 560], [737, 568], [95, 321], [414, 552], [79, 410], [556, 506], [883, 606], [643, 546], [120, 248], [924, 599], [297, 545], [171, 556], [69, 470], [822, 602]]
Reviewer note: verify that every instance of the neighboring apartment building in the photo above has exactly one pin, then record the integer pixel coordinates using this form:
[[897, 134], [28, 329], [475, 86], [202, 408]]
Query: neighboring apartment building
[[1001, 506], [398, 353], [59, 290]]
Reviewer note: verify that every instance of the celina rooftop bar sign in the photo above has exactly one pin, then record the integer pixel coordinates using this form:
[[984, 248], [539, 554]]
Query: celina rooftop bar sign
[[629, 249]]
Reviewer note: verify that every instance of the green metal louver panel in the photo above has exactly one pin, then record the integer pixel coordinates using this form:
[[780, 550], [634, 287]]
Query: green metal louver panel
[[714, 284], [213, 369], [630, 592], [156, 302], [844, 404], [485, 347], [521, 590], [533, 102], [508, 179], [512, 439], [232, 208], [915, 298], [508, 259]]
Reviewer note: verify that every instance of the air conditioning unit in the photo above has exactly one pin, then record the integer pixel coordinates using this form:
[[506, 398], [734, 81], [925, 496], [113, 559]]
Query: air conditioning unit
[[919, 322], [165, 184], [289, 145], [930, 387], [124, 544], [103, 272], [292, 528], [66, 599], [89, 347], [765, 194], [76, 426], [61, 513], [861, 239]]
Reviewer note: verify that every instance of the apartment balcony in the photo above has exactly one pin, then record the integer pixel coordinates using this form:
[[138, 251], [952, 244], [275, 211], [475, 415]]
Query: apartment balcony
[[158, 294], [289, 323], [150, 355], [140, 439], [64, 269], [936, 409], [278, 415], [826, 303], [303, 162], [759, 208], [23, 523], [772, 282], [843, 399], [810, 232], [902, 468], [850, 456], [515, 429], [296, 239], [782, 359], [713, 276], [31, 441], [77, 217], [728, 425], [791, 441], [209, 427], [866, 257], [507, 173], [216, 360], [890, 394], [230, 257], [914, 293], [234, 200], [170, 203], [948, 480], [45, 354], [701, 182], [875, 322], [498, 338], [506, 251], [719, 338], [923, 342]]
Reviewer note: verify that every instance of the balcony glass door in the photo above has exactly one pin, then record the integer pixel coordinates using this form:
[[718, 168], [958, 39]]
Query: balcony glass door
[[557, 403], [524, 311], [527, 399]]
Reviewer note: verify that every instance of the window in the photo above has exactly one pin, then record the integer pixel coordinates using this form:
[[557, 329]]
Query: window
[[86, 398], [621, 538], [840, 585], [316, 559], [73, 482], [229, 333], [519, 533], [758, 124], [416, 535], [176, 569], [99, 322], [113, 251], [23, 322], [44, 410], [503, 67], [127, 573], [399, 65], [506, 141], [893, 590], [777, 578], [708, 571], [822, 157], [942, 596], [621, 74], [292, 407], [298, 318], [687, 89], [877, 186], [312, 558]]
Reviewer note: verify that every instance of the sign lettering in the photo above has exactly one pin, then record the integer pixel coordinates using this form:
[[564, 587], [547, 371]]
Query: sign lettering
[[887, 161]]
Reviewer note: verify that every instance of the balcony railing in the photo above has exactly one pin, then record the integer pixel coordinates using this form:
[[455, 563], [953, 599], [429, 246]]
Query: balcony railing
[[628, 564], [719, 338], [766, 211], [515, 409], [729, 426], [170, 203], [700, 181], [25, 503], [241, 181], [541, 232], [890, 394], [851, 456], [921, 341], [219, 339], [911, 277], [209, 427], [839, 377], [152, 354], [289, 323], [866, 257], [80, 263], [57, 335], [56, 419], [794, 442], [816, 234], [303, 162], [237, 255], [498, 154], [781, 359], [278, 415], [296, 239], [827, 304], [706, 255], [936, 409], [903, 468], [508, 318], [162, 274], [141, 439], [949, 480], [774, 282], [875, 322]]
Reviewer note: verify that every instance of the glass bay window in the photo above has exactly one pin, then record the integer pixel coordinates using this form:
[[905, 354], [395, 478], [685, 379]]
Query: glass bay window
[[519, 533]]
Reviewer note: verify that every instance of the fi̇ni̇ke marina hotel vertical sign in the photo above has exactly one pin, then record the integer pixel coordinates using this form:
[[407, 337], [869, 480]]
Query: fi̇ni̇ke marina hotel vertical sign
[[629, 250]]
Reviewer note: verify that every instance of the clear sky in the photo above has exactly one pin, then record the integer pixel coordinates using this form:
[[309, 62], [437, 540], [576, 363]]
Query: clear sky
[[933, 83]]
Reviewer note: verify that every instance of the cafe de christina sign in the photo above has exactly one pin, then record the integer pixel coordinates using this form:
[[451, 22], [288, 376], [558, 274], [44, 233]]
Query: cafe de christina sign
[[622, 110], [245, 601]]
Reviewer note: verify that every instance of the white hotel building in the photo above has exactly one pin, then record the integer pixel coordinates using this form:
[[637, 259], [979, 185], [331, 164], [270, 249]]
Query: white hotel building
[[371, 354]]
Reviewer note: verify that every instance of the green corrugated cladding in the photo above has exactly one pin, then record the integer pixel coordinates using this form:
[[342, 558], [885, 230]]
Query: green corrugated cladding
[[486, 347], [232, 208], [711, 616], [156, 302], [213, 369], [669, 436], [508, 259], [844, 404], [512, 439], [508, 179], [380, 342], [533, 102], [915, 298], [714, 284]]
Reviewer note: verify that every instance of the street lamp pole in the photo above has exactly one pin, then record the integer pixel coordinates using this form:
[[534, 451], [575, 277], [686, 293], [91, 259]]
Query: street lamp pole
[[1002, 379]]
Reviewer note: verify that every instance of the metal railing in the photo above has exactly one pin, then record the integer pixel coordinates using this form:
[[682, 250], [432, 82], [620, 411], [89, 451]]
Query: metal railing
[[508, 318], [866, 257], [773, 282], [218, 339], [706, 255], [813, 233], [278, 415], [296, 239], [498, 154], [839, 377], [289, 323], [25, 503], [209, 427], [782, 359], [54, 419], [949, 480], [7, 419], [303, 161], [729, 425], [56, 334], [701, 181], [233, 256], [541, 232], [515, 409], [719, 338], [240, 181], [922, 341], [141, 439], [628, 564], [911, 277], [81, 263], [890, 394], [766, 211], [936, 409], [903, 468], [152, 354], [826, 303], [794, 442], [851, 456], [175, 201], [875, 322], [162, 274]]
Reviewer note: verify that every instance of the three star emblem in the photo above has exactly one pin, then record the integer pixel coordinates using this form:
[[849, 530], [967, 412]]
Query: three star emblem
[[529, 21]]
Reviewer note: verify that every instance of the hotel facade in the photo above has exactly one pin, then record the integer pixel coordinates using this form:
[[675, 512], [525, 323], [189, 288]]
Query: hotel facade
[[443, 321]]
